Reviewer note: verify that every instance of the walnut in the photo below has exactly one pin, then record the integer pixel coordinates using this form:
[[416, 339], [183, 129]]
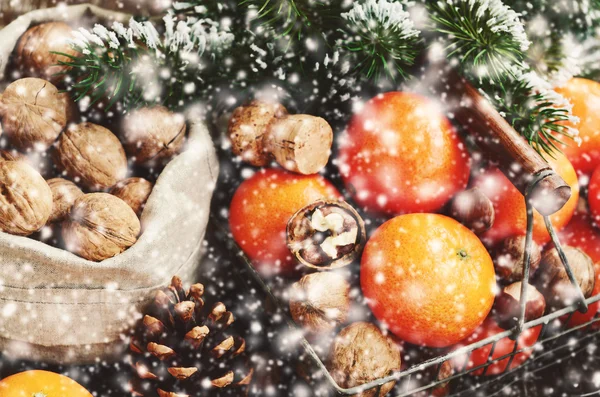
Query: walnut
[[64, 194], [320, 301], [360, 354], [25, 199], [100, 226], [134, 191], [509, 260], [92, 155], [11, 155], [39, 161], [33, 113], [153, 134], [72, 110], [35, 49]]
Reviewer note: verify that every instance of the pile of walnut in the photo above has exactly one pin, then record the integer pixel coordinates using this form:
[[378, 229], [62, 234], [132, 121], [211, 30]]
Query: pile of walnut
[[62, 175], [321, 302]]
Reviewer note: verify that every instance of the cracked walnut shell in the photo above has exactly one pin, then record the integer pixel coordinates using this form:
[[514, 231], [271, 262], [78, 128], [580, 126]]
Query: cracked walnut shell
[[153, 134], [100, 226], [25, 199], [33, 113], [92, 155]]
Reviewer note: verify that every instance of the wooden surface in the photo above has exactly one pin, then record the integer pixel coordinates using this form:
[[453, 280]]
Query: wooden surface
[[11, 9]]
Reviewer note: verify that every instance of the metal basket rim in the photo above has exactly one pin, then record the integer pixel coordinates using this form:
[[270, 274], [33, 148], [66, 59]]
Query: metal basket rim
[[398, 375]]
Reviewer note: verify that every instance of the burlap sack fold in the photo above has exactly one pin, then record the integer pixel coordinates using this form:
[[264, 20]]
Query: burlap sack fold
[[55, 306]]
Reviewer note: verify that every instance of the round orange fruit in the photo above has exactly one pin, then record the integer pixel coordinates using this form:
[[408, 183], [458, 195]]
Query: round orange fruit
[[261, 208], [41, 383], [581, 233], [428, 278], [400, 154], [504, 347], [509, 204], [584, 94], [594, 195]]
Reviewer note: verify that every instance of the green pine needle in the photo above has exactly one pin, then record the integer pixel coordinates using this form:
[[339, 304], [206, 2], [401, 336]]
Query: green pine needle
[[287, 18], [102, 73], [489, 44], [546, 55], [136, 65], [382, 37], [538, 116]]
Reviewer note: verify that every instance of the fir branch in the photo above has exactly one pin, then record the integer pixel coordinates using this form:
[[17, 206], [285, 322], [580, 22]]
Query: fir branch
[[587, 54], [552, 56], [559, 30], [291, 19], [137, 65], [383, 37], [485, 35], [538, 113]]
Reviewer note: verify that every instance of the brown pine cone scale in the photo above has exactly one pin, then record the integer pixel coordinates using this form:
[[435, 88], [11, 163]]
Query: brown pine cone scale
[[184, 347]]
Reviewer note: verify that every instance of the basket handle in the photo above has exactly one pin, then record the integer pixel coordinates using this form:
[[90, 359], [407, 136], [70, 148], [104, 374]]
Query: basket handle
[[521, 164]]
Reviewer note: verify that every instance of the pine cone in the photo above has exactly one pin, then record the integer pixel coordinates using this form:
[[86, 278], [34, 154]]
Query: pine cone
[[182, 348]]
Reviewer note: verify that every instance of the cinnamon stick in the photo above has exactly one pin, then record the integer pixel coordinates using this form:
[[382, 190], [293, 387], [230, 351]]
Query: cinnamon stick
[[521, 164]]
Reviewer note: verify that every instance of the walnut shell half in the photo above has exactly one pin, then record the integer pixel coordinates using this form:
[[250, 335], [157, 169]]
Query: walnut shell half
[[93, 155], [64, 194], [360, 354], [134, 191], [33, 113], [100, 226], [153, 134], [25, 199]]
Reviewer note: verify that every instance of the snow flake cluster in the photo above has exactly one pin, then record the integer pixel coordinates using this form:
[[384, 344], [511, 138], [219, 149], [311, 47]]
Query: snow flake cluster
[[201, 35], [546, 98], [501, 19], [376, 15]]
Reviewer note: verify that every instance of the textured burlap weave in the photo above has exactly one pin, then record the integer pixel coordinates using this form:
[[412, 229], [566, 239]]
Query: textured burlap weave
[[55, 306]]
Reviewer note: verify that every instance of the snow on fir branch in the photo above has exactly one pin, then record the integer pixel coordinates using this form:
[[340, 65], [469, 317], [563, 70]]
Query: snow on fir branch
[[383, 36], [244, 42], [541, 115], [486, 35], [137, 64], [291, 19], [560, 30]]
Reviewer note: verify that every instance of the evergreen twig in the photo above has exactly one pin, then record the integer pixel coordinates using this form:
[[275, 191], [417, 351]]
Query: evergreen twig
[[538, 113], [485, 35], [138, 65], [370, 40], [382, 35]]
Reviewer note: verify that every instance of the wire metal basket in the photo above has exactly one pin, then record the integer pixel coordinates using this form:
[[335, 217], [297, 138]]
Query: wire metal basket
[[553, 327]]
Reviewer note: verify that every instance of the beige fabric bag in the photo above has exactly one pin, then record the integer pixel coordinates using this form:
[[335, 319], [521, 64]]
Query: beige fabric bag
[[55, 306]]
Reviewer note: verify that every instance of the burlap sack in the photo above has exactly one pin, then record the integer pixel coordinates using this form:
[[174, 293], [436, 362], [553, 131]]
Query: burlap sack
[[55, 306]]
